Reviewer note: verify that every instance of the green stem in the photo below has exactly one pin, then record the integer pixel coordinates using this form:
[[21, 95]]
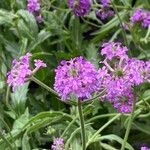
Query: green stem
[[103, 127], [6, 141], [123, 30], [68, 127], [101, 116], [128, 128], [8, 130], [43, 85], [82, 125], [7, 95]]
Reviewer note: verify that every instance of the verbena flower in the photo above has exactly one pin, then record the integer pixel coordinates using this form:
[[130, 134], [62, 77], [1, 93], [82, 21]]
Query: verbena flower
[[137, 71], [21, 70], [58, 144], [145, 148], [118, 91], [104, 13], [39, 63], [105, 3], [76, 77], [120, 74], [112, 49], [141, 16], [33, 7], [80, 7]]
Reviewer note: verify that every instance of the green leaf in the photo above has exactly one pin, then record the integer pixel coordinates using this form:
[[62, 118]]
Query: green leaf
[[25, 142], [28, 23], [41, 37], [7, 17], [108, 27], [92, 55], [142, 127], [76, 144], [21, 121], [107, 147], [50, 114], [113, 137], [19, 98]]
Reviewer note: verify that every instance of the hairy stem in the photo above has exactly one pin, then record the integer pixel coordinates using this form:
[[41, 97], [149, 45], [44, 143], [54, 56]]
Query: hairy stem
[[121, 24], [43, 85], [128, 128], [103, 127], [82, 125]]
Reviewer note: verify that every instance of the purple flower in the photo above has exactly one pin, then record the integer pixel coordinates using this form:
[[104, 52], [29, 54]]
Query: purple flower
[[39, 63], [58, 144], [20, 71], [104, 13], [80, 7], [146, 19], [138, 71], [39, 18], [145, 148], [76, 77], [120, 74], [33, 7], [141, 16], [111, 50], [105, 3], [137, 15]]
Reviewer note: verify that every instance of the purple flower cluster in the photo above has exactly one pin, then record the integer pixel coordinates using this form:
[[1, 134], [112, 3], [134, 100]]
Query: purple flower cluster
[[80, 7], [105, 3], [119, 74], [105, 12], [21, 70], [141, 16], [112, 49], [33, 7], [145, 148], [76, 77], [58, 144]]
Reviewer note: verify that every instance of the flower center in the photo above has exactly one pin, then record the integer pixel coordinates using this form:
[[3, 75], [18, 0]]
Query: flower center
[[123, 99], [73, 72], [76, 3], [119, 72]]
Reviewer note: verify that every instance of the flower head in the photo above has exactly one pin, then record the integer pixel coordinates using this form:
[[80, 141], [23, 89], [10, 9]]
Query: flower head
[[138, 71], [76, 77], [112, 49], [120, 74], [39, 63], [141, 16], [80, 7], [105, 3], [33, 7], [21, 70], [104, 13], [119, 93], [58, 144], [145, 148]]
